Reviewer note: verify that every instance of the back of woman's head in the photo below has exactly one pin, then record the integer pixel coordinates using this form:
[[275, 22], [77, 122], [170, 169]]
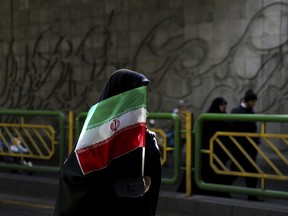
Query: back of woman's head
[[123, 80], [215, 105]]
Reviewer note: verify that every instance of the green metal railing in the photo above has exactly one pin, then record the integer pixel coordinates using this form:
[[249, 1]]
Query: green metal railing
[[267, 137], [195, 151], [177, 149], [43, 149]]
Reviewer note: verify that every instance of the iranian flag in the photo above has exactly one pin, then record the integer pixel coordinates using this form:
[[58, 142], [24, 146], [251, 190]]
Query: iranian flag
[[113, 127]]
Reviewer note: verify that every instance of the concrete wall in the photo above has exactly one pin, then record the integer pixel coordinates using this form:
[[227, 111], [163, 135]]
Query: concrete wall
[[57, 54]]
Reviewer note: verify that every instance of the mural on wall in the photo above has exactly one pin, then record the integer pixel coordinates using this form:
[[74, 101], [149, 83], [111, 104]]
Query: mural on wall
[[70, 76]]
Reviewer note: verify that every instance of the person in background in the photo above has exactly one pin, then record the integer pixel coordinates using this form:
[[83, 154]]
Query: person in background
[[209, 128], [246, 107], [151, 123], [120, 188], [181, 111]]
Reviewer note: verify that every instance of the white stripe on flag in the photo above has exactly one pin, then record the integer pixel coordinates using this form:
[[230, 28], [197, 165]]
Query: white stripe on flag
[[103, 132]]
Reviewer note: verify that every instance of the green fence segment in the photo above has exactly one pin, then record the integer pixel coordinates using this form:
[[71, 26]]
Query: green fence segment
[[35, 168], [30, 114], [177, 149], [230, 188], [79, 120]]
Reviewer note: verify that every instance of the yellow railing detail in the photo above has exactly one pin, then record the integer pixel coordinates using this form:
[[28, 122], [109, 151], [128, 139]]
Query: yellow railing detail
[[32, 138], [162, 141], [222, 169]]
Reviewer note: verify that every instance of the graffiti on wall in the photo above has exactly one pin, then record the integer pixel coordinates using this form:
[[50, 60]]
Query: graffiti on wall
[[56, 72]]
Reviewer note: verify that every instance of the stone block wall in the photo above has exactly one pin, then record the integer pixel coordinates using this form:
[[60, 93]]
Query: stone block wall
[[57, 54]]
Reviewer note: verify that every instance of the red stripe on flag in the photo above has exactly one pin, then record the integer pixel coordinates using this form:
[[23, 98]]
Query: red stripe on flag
[[98, 155]]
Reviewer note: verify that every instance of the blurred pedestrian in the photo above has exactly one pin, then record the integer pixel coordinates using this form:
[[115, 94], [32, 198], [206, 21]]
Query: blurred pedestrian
[[209, 129], [181, 110], [246, 107]]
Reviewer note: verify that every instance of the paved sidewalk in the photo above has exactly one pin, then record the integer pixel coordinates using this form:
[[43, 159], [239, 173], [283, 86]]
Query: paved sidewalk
[[172, 204], [16, 205], [24, 195]]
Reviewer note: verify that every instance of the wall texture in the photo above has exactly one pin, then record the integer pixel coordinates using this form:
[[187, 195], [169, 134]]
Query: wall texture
[[57, 54]]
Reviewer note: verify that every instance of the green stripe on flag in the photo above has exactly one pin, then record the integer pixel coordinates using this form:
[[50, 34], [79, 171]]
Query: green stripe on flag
[[116, 106]]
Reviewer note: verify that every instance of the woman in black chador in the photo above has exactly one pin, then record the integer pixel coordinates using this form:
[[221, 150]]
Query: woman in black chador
[[119, 189], [209, 128], [218, 106]]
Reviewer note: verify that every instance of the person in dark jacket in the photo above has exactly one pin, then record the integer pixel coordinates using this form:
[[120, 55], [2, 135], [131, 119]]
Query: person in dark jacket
[[121, 188], [209, 128], [246, 107]]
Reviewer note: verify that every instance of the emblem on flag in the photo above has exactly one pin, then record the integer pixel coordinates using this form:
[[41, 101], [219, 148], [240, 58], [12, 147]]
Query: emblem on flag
[[115, 124]]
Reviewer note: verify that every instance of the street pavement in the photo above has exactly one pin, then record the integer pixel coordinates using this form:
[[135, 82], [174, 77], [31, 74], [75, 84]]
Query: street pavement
[[170, 202], [15, 205]]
